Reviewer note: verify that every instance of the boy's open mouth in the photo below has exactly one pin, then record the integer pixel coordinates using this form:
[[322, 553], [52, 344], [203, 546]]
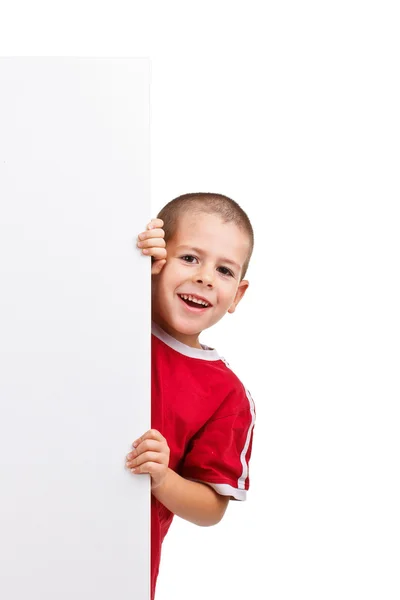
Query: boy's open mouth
[[195, 302]]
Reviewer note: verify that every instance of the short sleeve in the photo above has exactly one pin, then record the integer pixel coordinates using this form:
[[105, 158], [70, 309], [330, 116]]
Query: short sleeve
[[219, 453]]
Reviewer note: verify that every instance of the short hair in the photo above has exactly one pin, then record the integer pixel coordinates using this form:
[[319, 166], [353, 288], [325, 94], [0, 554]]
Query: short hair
[[207, 202]]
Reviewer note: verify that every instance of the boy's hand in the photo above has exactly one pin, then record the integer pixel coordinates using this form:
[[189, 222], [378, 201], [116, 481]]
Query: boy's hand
[[153, 244], [150, 455]]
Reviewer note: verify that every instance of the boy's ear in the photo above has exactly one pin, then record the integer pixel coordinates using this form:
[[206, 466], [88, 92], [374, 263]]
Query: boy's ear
[[243, 285]]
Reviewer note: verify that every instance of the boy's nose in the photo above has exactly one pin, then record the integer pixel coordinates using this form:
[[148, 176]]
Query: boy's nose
[[205, 278]]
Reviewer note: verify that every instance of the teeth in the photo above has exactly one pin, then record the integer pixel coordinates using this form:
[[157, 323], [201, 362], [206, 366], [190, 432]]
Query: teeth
[[192, 299]]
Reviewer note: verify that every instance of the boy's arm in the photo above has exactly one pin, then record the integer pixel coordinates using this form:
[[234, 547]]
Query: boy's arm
[[190, 500], [196, 502]]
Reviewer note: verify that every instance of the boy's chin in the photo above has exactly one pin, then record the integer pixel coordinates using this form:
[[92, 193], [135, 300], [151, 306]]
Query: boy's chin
[[183, 326], [186, 327]]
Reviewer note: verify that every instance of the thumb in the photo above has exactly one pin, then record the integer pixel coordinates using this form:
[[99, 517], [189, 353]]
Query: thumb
[[157, 266]]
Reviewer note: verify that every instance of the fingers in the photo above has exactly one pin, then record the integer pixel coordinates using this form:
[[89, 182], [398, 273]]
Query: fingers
[[147, 445], [155, 223], [152, 233], [153, 230], [157, 253], [149, 451], [154, 247], [154, 457], [155, 470], [150, 242], [151, 434]]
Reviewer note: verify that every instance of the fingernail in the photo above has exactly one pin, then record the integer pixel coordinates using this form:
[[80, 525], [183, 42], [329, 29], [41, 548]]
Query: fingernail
[[145, 251], [140, 244], [140, 236]]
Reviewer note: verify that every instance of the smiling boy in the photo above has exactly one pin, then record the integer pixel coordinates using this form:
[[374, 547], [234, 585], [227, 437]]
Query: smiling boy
[[198, 450]]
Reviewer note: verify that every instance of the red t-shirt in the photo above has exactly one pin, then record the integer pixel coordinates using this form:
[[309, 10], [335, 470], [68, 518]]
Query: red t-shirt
[[207, 417]]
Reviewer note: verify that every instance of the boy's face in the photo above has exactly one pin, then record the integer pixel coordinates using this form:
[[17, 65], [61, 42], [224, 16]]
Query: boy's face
[[205, 258]]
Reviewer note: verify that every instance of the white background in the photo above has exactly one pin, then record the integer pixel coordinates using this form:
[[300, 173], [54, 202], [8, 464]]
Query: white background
[[292, 109]]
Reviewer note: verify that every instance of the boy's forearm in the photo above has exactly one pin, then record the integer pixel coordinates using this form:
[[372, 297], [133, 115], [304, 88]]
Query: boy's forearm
[[190, 500]]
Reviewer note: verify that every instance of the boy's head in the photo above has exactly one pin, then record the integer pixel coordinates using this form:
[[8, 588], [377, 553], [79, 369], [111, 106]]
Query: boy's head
[[209, 242], [214, 204]]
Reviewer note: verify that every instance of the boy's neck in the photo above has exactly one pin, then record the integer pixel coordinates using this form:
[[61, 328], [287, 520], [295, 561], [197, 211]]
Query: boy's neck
[[189, 340]]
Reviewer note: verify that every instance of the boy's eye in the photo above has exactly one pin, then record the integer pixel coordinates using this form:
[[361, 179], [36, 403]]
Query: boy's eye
[[188, 258], [225, 271]]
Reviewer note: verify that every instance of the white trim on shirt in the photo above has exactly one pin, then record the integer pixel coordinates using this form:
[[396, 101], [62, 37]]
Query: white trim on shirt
[[203, 353], [224, 489]]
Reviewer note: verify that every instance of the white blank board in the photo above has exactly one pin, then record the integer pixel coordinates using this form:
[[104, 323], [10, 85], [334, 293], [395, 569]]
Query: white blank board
[[74, 328]]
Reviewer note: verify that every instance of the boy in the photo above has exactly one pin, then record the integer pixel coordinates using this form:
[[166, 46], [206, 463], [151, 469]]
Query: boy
[[198, 449]]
